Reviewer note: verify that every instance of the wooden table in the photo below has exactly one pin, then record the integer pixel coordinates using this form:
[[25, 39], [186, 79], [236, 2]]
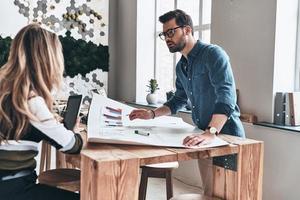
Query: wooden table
[[111, 172]]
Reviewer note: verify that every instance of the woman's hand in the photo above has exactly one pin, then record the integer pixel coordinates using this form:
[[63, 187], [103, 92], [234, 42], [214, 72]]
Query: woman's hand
[[77, 128], [141, 114], [198, 139]]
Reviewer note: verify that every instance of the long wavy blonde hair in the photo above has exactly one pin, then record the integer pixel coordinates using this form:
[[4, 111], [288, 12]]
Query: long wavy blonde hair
[[35, 64]]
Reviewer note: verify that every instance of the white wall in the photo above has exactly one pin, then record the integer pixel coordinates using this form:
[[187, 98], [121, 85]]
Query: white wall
[[246, 30], [285, 46], [131, 49], [123, 50], [9, 27], [260, 38], [145, 47], [112, 42]]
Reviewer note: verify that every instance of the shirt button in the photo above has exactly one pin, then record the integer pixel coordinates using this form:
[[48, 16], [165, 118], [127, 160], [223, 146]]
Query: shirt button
[[191, 93], [193, 106], [189, 79]]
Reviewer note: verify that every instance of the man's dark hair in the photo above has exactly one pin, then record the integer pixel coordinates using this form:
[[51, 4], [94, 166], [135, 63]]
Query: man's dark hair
[[181, 18]]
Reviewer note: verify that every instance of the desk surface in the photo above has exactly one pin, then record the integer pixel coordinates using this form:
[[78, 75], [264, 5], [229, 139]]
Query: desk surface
[[152, 155]]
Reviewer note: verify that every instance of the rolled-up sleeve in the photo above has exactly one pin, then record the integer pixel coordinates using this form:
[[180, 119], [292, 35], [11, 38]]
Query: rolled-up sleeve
[[221, 76], [178, 100], [51, 130]]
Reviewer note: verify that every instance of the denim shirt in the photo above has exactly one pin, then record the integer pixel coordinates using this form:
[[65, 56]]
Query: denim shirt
[[206, 79]]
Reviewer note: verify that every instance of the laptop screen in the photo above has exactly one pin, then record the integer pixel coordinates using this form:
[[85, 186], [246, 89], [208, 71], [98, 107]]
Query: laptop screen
[[72, 110]]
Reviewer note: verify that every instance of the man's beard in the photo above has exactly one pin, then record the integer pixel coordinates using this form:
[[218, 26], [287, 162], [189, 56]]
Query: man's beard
[[177, 47]]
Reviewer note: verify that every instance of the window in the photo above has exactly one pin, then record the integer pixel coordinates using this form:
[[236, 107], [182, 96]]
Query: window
[[165, 62], [297, 68]]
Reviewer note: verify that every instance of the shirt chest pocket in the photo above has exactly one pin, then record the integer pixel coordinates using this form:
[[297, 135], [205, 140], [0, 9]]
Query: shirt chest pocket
[[201, 81]]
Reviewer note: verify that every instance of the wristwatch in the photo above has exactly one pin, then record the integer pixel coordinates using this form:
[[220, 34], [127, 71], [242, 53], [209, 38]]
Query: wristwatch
[[212, 130]]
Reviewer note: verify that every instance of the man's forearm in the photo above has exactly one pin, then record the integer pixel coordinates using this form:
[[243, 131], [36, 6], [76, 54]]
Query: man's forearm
[[162, 111], [218, 121]]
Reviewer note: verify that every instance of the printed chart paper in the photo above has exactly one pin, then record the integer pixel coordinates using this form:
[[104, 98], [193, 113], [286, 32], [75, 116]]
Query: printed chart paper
[[108, 122]]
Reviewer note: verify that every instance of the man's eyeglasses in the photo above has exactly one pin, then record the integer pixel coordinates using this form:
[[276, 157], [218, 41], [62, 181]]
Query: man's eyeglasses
[[169, 33]]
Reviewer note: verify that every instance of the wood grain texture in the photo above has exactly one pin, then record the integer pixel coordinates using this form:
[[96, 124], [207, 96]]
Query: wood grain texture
[[238, 140], [108, 174], [231, 178], [225, 183], [98, 179], [67, 179], [61, 161], [250, 169], [246, 183], [189, 154], [43, 157], [75, 160], [151, 155], [128, 184]]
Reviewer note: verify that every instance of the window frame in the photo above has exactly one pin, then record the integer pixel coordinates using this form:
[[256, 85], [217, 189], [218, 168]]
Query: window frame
[[198, 28], [297, 61]]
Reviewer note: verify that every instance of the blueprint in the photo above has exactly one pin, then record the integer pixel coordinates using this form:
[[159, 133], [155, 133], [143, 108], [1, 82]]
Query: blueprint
[[108, 122]]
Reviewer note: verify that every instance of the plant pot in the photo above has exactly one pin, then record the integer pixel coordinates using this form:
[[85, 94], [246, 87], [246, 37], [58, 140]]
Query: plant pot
[[152, 98]]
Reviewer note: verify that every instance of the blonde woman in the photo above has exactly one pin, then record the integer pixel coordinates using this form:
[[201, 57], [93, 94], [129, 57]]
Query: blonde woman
[[34, 68]]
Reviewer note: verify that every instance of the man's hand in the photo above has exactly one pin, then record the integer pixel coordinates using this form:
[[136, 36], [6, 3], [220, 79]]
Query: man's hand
[[198, 139], [141, 114]]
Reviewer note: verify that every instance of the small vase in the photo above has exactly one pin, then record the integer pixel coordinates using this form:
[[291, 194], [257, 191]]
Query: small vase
[[152, 98]]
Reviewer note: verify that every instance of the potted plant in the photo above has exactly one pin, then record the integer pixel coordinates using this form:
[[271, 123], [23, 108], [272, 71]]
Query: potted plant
[[152, 96]]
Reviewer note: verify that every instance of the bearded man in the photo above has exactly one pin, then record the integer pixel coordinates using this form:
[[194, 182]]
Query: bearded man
[[203, 76]]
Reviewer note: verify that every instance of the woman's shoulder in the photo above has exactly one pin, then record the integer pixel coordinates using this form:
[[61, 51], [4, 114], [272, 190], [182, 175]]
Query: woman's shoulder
[[36, 100], [39, 108]]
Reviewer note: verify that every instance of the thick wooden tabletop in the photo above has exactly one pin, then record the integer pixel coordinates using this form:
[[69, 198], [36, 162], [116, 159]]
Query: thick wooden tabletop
[[152, 154]]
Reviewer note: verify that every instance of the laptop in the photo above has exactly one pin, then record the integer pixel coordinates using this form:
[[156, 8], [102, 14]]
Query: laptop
[[72, 110]]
